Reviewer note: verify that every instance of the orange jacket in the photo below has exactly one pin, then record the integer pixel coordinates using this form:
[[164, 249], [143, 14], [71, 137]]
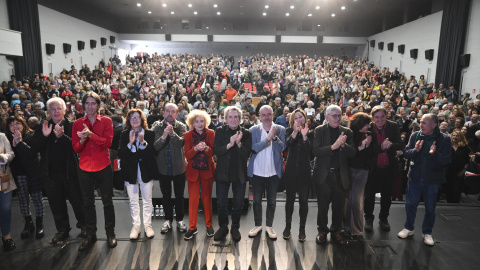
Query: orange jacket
[[191, 173]]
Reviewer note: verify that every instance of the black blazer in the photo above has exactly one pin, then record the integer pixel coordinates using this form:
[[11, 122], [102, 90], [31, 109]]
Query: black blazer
[[393, 134], [323, 153], [129, 161]]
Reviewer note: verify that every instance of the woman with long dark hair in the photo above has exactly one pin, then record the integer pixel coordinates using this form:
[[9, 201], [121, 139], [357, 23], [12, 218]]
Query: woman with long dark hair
[[26, 170], [455, 172]]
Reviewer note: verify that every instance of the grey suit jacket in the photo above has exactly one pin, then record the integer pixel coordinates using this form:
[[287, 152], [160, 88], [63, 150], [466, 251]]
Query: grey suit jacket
[[176, 143]]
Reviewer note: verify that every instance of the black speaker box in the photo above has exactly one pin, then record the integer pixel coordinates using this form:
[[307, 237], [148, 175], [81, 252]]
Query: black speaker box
[[50, 48], [372, 43], [67, 48], [81, 45], [93, 43], [380, 45], [390, 46], [103, 41], [414, 53], [464, 60], [429, 54], [401, 48], [112, 39], [278, 38], [168, 37], [210, 38]]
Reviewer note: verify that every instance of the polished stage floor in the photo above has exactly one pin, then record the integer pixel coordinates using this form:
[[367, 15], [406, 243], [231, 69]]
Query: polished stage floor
[[456, 234]]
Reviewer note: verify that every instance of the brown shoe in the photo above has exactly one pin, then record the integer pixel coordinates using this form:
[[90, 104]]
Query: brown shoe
[[321, 238], [339, 239]]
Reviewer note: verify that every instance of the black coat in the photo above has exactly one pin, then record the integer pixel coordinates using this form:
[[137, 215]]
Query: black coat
[[26, 162], [145, 158], [393, 135], [297, 167]]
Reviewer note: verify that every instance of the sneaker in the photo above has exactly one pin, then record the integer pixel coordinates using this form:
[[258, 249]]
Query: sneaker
[[254, 232], [181, 226], [286, 233], [220, 234], [236, 236], [384, 224], [271, 233], [135, 232], [167, 226], [428, 240], [405, 233], [210, 232], [190, 234], [149, 232]]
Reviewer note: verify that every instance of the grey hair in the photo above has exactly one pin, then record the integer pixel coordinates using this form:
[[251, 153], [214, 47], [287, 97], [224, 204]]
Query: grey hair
[[265, 107], [310, 102], [171, 105], [432, 117], [57, 100], [332, 108], [229, 108]]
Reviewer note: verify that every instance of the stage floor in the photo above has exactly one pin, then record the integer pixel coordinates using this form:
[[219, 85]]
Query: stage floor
[[456, 234]]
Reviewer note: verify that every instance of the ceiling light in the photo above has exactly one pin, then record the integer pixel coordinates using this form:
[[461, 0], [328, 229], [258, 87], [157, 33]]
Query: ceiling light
[[309, 15], [189, 5], [317, 7], [292, 7], [318, 25], [333, 14], [172, 12], [164, 5], [195, 13], [149, 12], [139, 5], [287, 14], [215, 5], [343, 7], [218, 13], [208, 27], [266, 6], [264, 14]]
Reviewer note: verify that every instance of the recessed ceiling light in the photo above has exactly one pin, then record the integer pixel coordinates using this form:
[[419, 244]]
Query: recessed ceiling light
[[208, 27], [172, 12], [164, 5], [292, 7], [309, 15], [317, 7], [218, 13], [264, 14], [287, 14], [189, 5], [195, 13], [139, 5], [215, 5], [149, 12], [318, 25], [343, 7], [333, 14], [266, 6]]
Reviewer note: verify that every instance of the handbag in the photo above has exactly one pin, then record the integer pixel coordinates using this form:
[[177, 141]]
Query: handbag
[[4, 180]]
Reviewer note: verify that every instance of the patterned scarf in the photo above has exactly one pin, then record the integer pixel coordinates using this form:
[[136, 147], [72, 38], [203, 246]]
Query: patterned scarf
[[200, 161]]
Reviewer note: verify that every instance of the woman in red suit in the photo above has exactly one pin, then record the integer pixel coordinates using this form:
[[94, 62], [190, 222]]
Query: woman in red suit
[[200, 169]]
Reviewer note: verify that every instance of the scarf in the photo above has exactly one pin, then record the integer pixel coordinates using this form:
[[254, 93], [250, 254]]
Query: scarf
[[200, 161], [427, 143]]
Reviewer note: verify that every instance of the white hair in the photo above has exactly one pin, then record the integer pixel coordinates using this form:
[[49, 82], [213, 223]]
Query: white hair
[[234, 108], [332, 108], [57, 100]]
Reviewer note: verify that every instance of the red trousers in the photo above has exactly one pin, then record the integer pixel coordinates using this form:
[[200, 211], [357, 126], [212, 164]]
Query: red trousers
[[205, 185]]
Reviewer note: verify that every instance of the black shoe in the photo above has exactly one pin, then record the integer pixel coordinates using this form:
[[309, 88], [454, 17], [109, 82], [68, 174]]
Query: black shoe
[[59, 237], [236, 236], [29, 228], [338, 238], [384, 224], [87, 242], [220, 234], [301, 235], [8, 244], [321, 238], [83, 233], [286, 233], [111, 240], [39, 232], [210, 232], [189, 235], [368, 225]]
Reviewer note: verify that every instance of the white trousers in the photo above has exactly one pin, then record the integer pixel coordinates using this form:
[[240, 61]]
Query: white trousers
[[146, 189]]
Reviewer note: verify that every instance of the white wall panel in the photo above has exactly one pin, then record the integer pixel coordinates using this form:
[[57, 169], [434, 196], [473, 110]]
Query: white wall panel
[[190, 38], [298, 39], [243, 38], [344, 40]]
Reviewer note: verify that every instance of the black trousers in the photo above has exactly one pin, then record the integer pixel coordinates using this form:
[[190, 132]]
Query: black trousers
[[380, 180], [292, 187], [331, 191], [60, 188], [89, 181], [178, 188]]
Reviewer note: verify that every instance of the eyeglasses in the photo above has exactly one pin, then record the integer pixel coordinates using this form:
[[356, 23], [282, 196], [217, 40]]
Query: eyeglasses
[[135, 118], [335, 115]]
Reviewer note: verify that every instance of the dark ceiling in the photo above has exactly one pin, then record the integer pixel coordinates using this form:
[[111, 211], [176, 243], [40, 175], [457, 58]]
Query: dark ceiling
[[375, 15]]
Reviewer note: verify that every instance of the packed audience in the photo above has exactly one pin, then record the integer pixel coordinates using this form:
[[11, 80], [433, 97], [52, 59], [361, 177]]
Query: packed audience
[[198, 119]]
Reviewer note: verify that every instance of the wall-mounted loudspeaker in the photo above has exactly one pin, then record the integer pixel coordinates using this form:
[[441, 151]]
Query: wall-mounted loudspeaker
[[464, 60], [401, 48], [278, 38], [103, 41], [210, 38], [414, 53], [81, 45], [93, 43], [372, 43], [168, 37], [50, 48], [67, 48], [390, 46], [429, 54], [112, 39], [380, 45]]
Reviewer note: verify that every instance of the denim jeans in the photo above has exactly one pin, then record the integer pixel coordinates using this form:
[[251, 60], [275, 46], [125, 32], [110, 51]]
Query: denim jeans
[[5, 212], [414, 192], [238, 189], [259, 186]]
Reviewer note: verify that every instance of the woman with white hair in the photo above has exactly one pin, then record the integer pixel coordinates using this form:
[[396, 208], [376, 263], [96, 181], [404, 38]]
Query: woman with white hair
[[310, 111]]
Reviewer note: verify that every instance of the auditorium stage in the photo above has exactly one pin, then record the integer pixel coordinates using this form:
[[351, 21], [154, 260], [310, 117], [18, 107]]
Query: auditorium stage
[[456, 235]]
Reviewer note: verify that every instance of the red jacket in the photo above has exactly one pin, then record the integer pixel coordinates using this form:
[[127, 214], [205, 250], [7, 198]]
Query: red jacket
[[191, 173]]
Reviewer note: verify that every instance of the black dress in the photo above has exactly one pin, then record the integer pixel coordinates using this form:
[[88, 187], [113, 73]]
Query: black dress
[[454, 184]]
